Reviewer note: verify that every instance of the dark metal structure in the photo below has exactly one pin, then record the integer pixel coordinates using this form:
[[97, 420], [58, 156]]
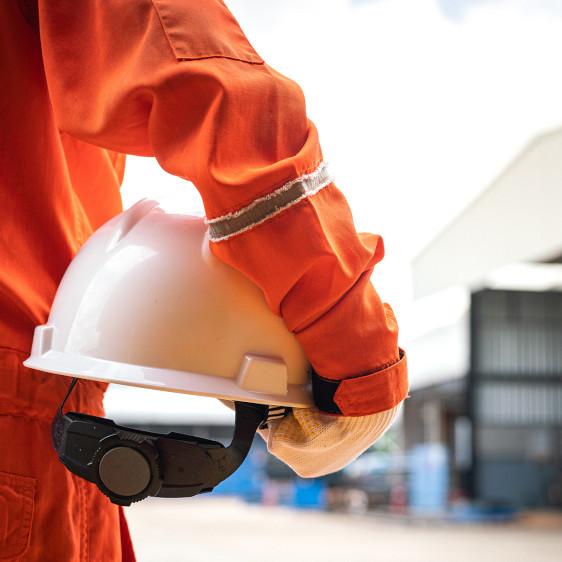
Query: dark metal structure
[[515, 397], [502, 423]]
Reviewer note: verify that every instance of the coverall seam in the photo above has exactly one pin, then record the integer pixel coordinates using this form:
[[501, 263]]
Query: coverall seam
[[383, 367], [84, 550], [202, 57], [378, 369], [206, 57], [164, 29], [34, 417], [24, 517], [14, 349]]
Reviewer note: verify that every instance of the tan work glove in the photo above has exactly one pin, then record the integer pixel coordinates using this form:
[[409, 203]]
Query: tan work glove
[[314, 444]]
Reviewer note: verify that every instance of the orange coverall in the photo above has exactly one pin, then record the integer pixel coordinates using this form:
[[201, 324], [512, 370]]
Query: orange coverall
[[83, 83]]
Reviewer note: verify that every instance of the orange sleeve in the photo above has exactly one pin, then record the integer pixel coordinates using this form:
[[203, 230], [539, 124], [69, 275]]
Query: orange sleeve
[[179, 80]]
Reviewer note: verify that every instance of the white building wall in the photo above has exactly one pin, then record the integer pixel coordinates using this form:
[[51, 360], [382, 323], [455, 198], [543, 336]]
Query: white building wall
[[517, 219]]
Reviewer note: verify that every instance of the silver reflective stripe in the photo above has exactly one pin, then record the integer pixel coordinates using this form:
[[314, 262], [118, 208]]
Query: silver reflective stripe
[[268, 206]]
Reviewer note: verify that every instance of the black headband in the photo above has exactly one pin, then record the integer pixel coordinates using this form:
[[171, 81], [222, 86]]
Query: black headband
[[129, 465]]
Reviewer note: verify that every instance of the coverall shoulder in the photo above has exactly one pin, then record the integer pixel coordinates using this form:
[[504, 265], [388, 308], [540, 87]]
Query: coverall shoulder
[[82, 85]]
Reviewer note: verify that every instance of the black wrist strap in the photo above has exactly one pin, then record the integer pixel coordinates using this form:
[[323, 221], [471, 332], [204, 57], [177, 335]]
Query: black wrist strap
[[361, 395], [323, 391]]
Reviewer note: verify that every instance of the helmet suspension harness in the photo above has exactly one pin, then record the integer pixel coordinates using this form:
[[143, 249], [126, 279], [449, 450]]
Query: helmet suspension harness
[[128, 465]]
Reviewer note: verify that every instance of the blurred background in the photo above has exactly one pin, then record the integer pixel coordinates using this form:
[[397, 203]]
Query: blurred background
[[442, 124]]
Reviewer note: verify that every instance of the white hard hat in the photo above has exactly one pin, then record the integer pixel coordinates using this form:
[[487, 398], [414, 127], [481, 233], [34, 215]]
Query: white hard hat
[[145, 303]]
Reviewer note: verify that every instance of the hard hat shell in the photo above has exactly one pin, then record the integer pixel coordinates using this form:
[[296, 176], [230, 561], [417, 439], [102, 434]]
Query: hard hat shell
[[145, 303]]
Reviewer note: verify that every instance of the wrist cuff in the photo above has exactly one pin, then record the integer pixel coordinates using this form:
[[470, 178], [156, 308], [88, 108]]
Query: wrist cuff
[[364, 395]]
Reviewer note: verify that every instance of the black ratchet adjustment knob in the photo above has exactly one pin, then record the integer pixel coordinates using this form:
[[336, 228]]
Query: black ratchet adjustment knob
[[127, 471]]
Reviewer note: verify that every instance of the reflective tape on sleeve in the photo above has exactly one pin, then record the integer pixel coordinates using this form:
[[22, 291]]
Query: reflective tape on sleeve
[[264, 208]]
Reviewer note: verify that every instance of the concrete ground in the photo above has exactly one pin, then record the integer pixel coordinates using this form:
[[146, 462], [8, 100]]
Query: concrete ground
[[219, 529]]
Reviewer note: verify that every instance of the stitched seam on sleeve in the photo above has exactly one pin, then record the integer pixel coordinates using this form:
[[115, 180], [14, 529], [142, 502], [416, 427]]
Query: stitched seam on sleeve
[[164, 28]]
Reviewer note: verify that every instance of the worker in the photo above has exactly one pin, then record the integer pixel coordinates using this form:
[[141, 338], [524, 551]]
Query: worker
[[82, 85]]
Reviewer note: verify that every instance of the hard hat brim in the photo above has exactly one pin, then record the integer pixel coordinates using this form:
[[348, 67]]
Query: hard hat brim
[[61, 363]]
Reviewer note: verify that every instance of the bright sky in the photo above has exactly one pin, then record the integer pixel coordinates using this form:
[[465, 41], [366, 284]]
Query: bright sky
[[419, 104]]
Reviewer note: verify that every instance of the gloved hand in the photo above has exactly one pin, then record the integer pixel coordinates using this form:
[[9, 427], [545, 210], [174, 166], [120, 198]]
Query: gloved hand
[[314, 444]]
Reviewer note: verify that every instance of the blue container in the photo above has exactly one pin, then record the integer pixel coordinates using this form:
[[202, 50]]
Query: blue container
[[428, 479], [309, 493]]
